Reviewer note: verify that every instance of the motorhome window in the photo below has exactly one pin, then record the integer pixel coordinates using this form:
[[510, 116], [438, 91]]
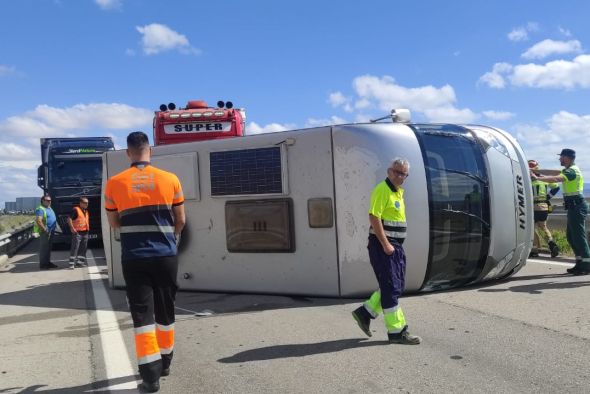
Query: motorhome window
[[246, 171], [76, 172], [459, 205], [260, 226]]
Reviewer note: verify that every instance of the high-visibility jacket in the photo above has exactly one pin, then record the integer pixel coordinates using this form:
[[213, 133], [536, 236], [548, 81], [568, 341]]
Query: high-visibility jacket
[[540, 190], [82, 221], [575, 186], [387, 204], [144, 196], [36, 225]]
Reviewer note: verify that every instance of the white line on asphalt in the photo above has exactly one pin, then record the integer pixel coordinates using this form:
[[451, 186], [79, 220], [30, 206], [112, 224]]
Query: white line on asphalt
[[116, 358], [186, 310], [550, 262]]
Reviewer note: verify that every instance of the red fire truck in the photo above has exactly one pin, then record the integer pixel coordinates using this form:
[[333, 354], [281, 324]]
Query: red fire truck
[[197, 121]]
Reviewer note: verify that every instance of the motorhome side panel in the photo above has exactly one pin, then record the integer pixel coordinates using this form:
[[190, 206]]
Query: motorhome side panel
[[231, 238], [362, 154], [113, 163]]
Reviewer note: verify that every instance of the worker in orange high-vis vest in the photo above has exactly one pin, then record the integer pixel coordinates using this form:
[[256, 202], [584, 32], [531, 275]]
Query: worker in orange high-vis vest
[[146, 205], [79, 222]]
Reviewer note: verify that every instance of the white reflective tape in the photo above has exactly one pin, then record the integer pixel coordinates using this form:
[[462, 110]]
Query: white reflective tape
[[146, 229], [370, 310], [144, 329], [394, 224], [391, 310], [149, 359], [162, 327], [166, 350]]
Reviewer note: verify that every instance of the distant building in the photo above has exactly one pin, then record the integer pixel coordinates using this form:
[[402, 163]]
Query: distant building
[[10, 206], [26, 204]]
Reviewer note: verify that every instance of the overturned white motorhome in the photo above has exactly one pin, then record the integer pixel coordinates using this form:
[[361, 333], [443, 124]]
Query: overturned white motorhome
[[286, 213]]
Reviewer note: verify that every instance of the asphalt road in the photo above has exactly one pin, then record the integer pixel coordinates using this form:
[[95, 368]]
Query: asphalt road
[[528, 334]]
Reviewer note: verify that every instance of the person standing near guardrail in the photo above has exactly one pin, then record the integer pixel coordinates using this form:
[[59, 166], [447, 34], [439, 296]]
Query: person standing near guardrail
[[576, 206], [45, 223], [79, 222]]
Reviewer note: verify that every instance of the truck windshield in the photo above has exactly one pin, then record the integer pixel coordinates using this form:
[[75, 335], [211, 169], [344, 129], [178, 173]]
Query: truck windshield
[[459, 205], [75, 172]]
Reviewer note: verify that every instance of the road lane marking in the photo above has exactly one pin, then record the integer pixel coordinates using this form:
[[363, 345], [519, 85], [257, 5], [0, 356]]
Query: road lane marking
[[551, 262], [116, 358]]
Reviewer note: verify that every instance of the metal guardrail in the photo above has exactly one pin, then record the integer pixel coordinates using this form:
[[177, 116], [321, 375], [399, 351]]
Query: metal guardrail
[[11, 242]]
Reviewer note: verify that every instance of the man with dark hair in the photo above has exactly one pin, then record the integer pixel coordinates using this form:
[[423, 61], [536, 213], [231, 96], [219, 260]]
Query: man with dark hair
[[576, 206], [45, 224], [79, 222], [146, 205]]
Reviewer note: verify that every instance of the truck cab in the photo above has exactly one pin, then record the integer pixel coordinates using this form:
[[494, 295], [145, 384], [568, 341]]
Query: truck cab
[[197, 122], [72, 168]]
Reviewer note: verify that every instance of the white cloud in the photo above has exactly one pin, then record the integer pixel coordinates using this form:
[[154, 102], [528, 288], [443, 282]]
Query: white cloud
[[313, 122], [255, 128], [157, 38], [13, 152], [109, 4], [518, 34], [557, 74], [337, 99], [560, 74], [562, 130], [548, 47], [51, 121], [521, 33], [6, 70], [129, 52], [498, 115], [495, 79], [565, 32], [437, 104], [18, 182]]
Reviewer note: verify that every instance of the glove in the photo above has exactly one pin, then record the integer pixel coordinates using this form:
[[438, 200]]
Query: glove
[[177, 235]]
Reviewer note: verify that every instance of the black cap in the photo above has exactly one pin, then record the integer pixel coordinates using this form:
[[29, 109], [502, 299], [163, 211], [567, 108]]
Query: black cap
[[568, 152]]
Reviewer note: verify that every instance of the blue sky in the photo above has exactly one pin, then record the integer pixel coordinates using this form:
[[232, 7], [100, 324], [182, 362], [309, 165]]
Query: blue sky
[[101, 67]]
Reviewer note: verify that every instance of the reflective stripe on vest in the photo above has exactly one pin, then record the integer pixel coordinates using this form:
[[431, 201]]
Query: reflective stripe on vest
[[82, 222], [574, 187], [393, 229]]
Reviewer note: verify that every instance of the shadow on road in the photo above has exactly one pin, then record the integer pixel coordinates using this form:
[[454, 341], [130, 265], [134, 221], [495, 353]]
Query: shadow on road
[[100, 386], [537, 288], [299, 350]]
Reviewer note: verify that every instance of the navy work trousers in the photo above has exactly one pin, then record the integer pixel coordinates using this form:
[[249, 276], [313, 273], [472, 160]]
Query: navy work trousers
[[151, 291], [390, 270]]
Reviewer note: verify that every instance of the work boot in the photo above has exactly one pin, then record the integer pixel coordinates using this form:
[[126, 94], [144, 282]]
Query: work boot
[[575, 268], [363, 318], [147, 387], [554, 249], [165, 372], [404, 338], [582, 268]]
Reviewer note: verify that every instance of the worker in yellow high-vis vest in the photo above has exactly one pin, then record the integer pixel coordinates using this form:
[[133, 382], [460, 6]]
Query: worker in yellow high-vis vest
[[576, 206], [387, 215]]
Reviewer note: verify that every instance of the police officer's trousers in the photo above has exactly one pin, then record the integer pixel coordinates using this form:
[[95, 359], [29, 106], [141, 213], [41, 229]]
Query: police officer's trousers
[[576, 232], [390, 271], [151, 291]]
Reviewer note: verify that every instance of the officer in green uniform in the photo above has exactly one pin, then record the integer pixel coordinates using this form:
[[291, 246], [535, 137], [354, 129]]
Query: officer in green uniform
[[576, 206]]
